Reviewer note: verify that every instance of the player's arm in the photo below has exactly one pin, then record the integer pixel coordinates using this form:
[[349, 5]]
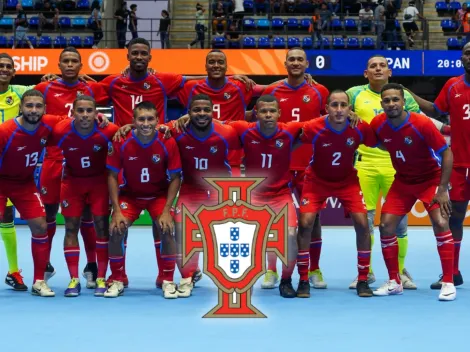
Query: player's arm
[[412, 105], [166, 220], [118, 222], [426, 106]]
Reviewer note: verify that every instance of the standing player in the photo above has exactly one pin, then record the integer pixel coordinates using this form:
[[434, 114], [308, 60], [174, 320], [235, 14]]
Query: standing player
[[417, 150], [299, 101], [84, 182], [331, 174], [144, 161]]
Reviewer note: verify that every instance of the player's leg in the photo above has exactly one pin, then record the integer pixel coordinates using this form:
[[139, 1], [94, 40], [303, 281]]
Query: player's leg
[[72, 253], [51, 215], [157, 241], [88, 232], [8, 231]]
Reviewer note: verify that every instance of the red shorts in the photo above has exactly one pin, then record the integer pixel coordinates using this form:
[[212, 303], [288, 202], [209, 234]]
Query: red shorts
[[132, 207], [401, 197], [459, 184], [49, 181], [77, 192], [192, 200], [277, 203], [25, 198], [316, 192], [297, 181]]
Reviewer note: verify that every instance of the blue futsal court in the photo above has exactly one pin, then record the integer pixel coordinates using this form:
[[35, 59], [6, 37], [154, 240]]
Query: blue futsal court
[[331, 320]]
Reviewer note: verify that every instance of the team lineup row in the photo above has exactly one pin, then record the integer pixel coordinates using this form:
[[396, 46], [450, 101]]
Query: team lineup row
[[420, 133]]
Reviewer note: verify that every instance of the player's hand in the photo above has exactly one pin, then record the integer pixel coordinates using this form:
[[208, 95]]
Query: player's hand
[[118, 224], [181, 125], [309, 79], [166, 222], [354, 120], [102, 120], [49, 77], [165, 130], [122, 133], [85, 78], [442, 198], [250, 115], [249, 83]]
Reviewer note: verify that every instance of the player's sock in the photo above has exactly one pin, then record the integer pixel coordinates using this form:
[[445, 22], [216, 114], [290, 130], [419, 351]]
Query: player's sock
[[371, 246], [288, 270], [102, 256], [315, 251], [87, 229], [159, 255], [303, 258], [445, 247], [272, 259], [51, 227], [402, 250], [9, 239], [456, 256], [72, 257], [168, 263], [40, 250], [363, 264], [390, 253], [116, 263]]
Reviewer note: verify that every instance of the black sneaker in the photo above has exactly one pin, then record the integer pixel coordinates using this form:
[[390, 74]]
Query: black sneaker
[[15, 280], [363, 289], [303, 290], [90, 273], [286, 290], [50, 272], [197, 276], [458, 280]]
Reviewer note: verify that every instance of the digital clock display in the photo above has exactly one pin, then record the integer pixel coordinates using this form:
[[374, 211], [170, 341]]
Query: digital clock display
[[446, 63]]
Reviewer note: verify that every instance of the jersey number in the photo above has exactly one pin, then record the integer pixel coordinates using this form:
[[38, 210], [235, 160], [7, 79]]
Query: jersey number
[[216, 109], [70, 107], [399, 155], [85, 162], [267, 160], [144, 175], [336, 157], [32, 159], [466, 107], [136, 100], [201, 164], [296, 114]]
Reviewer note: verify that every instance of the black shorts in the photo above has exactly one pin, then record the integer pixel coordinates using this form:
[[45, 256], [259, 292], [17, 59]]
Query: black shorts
[[410, 26]]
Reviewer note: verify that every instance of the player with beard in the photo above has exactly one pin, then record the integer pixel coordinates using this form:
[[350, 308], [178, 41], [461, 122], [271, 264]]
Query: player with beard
[[423, 165]]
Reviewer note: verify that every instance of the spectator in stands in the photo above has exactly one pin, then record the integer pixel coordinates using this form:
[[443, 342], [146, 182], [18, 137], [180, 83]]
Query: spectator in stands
[[233, 36], [366, 15], [351, 6], [200, 26], [238, 12], [290, 5], [390, 27], [133, 21], [164, 29], [261, 7], [121, 16], [466, 25], [48, 16], [21, 27], [409, 24], [219, 20], [95, 23], [334, 6], [379, 17], [228, 7], [325, 17], [277, 6], [315, 28], [459, 17]]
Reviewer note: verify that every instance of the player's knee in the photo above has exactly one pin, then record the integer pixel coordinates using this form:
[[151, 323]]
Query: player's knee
[[101, 226], [370, 220], [38, 226], [455, 221], [8, 215], [441, 225], [402, 227], [306, 221], [156, 232], [386, 229]]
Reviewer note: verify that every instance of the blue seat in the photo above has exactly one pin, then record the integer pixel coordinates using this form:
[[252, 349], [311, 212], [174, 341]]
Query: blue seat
[[338, 43], [277, 23], [88, 42], [292, 23], [263, 24], [6, 23], [307, 43], [249, 24], [11, 41], [33, 39], [326, 44], [279, 43], [75, 41], [397, 24], [218, 42], [83, 4], [60, 42], [448, 25], [368, 43], [350, 25], [79, 22], [441, 6], [27, 4], [453, 44], [305, 23], [65, 22], [45, 42], [293, 42], [3, 41], [336, 25], [249, 5], [249, 43], [352, 43], [34, 22], [455, 6], [264, 43], [11, 4], [68, 5]]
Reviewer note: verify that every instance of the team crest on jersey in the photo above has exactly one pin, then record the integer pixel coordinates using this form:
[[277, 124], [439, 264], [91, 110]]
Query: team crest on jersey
[[408, 141], [350, 142], [213, 150], [43, 190], [65, 204], [156, 158], [79, 93], [123, 205], [306, 98], [43, 141], [227, 96], [9, 100], [304, 201], [96, 148], [146, 86], [279, 143]]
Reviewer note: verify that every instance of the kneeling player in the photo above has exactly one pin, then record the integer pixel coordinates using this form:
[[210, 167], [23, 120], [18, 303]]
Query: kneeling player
[[331, 174], [144, 160], [417, 150], [84, 182]]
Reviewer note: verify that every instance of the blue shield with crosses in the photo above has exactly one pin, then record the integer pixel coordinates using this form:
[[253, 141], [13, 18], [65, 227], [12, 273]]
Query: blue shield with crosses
[[234, 250], [245, 250], [234, 233], [234, 266], [224, 247]]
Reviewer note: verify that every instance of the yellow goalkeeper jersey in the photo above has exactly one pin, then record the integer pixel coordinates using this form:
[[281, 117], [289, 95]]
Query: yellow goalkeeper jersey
[[10, 101]]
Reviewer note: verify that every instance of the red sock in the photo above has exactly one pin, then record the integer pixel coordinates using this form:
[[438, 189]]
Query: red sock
[[190, 267], [168, 267], [363, 264], [72, 257], [445, 247], [117, 267], [40, 250], [159, 256], [272, 259], [302, 264], [315, 251], [87, 229], [51, 227], [456, 256], [390, 253], [102, 256], [288, 270]]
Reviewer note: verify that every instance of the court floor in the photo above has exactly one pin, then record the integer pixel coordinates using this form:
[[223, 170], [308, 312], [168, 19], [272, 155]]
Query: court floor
[[334, 319]]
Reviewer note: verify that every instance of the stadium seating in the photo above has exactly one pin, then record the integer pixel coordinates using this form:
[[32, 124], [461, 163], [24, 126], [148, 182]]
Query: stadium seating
[[27, 4], [305, 24], [352, 43], [79, 22], [293, 42], [249, 24], [65, 22], [350, 25], [75, 41], [11, 4], [453, 44], [277, 23], [60, 42], [45, 42], [264, 43], [368, 43], [83, 4], [338, 43], [441, 7], [279, 43], [34, 22], [307, 43], [249, 43], [3, 41], [249, 6], [218, 43], [263, 24], [292, 23], [449, 26], [6, 23], [455, 6], [336, 25]]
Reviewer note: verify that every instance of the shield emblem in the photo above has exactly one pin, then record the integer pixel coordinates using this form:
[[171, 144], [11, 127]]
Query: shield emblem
[[213, 150], [96, 148], [234, 266], [156, 158], [224, 249], [245, 250], [234, 250], [234, 233]]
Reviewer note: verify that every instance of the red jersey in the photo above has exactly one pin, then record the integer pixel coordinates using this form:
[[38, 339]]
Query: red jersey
[[145, 167], [206, 157], [454, 99], [414, 146], [267, 156], [229, 101], [299, 104], [333, 151], [85, 156], [20, 149], [126, 93]]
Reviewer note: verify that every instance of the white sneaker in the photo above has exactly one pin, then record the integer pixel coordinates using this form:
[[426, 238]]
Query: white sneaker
[[407, 281], [169, 289], [185, 287], [270, 280], [391, 287], [370, 281], [448, 292], [115, 290], [40, 288], [316, 279]]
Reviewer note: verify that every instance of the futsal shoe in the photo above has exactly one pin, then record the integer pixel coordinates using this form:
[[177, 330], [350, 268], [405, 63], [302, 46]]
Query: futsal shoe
[[448, 292], [40, 288], [169, 290], [316, 279], [15, 280], [100, 287], [197, 276], [271, 278], [407, 281], [115, 290], [49, 273], [458, 280], [363, 289], [90, 273], [185, 287], [391, 287], [74, 288], [370, 281], [286, 290], [159, 282], [125, 280], [303, 290]]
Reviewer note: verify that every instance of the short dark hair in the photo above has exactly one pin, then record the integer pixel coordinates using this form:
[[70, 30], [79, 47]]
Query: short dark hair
[[295, 48], [31, 93], [200, 97], [138, 41], [145, 105], [71, 49], [394, 86], [267, 98], [336, 91], [84, 98], [216, 51], [133, 6], [376, 55], [6, 56]]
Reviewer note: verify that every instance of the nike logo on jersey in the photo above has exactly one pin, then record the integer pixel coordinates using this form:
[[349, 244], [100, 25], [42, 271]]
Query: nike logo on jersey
[[56, 95], [284, 99], [20, 148], [386, 140], [123, 86], [72, 149], [326, 144], [189, 147], [133, 158], [458, 95], [254, 142]]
